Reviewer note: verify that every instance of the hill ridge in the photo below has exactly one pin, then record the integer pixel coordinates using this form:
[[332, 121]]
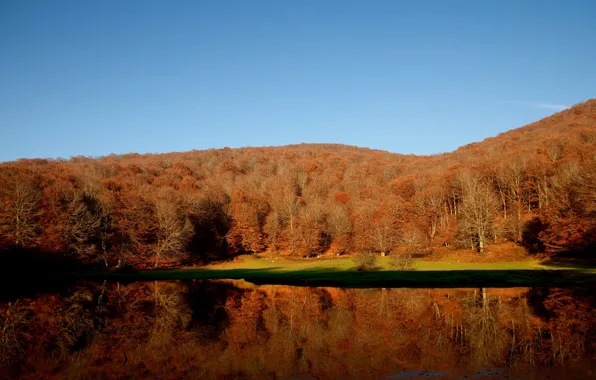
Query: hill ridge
[[534, 186]]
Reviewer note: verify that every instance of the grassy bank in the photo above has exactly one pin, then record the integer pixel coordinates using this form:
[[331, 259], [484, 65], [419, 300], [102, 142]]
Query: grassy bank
[[382, 263], [342, 272]]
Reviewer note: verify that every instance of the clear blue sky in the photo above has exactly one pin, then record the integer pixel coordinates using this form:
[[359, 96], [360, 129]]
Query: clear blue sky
[[100, 77]]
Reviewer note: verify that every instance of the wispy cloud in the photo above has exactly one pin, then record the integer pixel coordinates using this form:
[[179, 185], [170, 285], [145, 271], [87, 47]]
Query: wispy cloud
[[548, 106]]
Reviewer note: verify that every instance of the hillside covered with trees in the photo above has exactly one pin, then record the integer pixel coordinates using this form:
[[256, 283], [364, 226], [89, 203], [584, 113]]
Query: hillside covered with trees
[[534, 186]]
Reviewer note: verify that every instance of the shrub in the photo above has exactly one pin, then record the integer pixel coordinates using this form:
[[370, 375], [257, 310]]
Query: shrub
[[365, 260], [401, 262]]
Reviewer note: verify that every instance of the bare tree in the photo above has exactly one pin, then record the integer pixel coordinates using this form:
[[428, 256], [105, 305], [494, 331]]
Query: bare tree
[[310, 237], [87, 224], [174, 229], [513, 176], [248, 217], [19, 204], [273, 228], [384, 234], [339, 222], [85, 219], [301, 181], [412, 239], [286, 204], [478, 209], [585, 181], [429, 203]]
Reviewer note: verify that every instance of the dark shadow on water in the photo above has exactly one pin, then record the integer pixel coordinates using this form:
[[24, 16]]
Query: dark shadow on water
[[207, 300], [26, 272]]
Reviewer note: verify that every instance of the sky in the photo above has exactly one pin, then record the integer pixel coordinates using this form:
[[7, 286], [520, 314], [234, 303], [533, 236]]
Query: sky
[[99, 77]]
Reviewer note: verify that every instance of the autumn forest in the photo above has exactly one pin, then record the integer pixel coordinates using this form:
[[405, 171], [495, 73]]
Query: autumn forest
[[534, 187]]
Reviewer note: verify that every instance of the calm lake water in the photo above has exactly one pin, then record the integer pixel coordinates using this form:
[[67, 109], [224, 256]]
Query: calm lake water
[[234, 330]]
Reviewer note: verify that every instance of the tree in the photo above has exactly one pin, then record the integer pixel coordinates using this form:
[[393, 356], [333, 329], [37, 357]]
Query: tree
[[429, 204], [174, 229], [412, 240], [88, 224], [384, 233], [514, 178], [311, 237], [248, 216], [20, 197], [210, 214], [478, 209], [339, 225], [286, 204], [273, 228]]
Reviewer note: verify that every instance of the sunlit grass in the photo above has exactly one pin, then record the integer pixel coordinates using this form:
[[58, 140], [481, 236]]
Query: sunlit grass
[[283, 264], [343, 272], [383, 263]]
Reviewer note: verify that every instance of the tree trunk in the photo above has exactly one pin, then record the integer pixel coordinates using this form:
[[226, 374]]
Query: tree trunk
[[156, 259]]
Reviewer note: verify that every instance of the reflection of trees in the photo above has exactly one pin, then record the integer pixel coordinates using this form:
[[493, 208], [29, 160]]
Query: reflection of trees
[[164, 329], [341, 318], [245, 319], [70, 324], [571, 327], [13, 335], [171, 313], [525, 330], [51, 329], [487, 338], [438, 342]]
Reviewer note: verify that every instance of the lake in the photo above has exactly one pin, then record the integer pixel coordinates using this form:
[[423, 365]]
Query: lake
[[236, 330]]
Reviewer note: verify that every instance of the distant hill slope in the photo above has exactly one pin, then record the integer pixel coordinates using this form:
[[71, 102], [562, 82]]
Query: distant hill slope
[[534, 185], [578, 121]]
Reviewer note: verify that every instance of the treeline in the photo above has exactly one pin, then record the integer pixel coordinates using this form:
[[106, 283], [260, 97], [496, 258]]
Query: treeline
[[535, 186]]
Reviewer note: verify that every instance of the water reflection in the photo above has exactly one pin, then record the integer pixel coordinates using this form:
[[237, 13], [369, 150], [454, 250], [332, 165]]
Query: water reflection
[[208, 329]]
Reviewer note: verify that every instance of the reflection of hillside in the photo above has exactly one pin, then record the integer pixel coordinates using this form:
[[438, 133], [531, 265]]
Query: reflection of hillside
[[214, 329]]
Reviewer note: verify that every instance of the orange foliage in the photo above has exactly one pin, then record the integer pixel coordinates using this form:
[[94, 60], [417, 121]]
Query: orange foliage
[[537, 185]]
